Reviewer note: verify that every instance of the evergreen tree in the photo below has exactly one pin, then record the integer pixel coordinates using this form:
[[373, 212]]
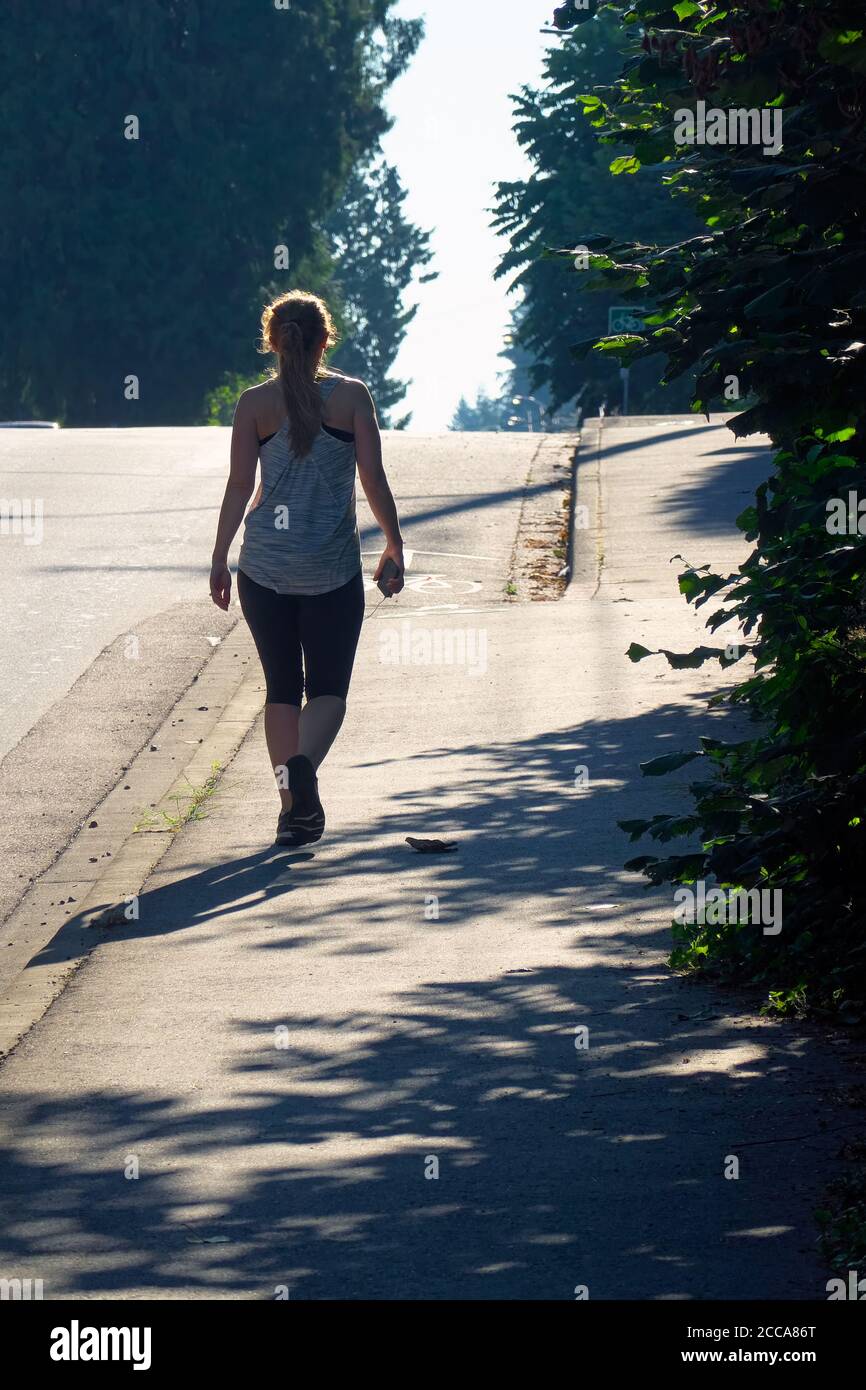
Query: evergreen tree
[[154, 157], [519, 404], [569, 197], [487, 413], [376, 254]]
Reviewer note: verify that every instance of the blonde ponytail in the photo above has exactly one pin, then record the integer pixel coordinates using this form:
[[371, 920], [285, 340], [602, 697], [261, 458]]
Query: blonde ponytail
[[295, 327]]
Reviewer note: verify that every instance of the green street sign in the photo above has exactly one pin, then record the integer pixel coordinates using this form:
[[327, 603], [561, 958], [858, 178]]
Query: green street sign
[[628, 318]]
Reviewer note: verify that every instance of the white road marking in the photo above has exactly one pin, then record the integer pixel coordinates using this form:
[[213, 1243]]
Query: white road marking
[[408, 613], [447, 555], [429, 583], [425, 583]]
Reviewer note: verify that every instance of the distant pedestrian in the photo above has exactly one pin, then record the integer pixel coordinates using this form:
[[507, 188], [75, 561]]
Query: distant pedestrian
[[299, 572]]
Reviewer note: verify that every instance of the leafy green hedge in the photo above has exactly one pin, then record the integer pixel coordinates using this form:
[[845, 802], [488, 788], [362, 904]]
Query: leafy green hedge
[[768, 305]]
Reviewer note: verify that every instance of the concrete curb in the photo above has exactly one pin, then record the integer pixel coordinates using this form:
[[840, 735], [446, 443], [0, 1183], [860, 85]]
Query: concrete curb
[[105, 867], [535, 569], [586, 524]]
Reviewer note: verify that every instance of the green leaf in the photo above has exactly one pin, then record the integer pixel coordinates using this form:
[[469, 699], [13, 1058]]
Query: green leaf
[[620, 344], [668, 762], [637, 653], [637, 865], [625, 164], [635, 828], [691, 661]]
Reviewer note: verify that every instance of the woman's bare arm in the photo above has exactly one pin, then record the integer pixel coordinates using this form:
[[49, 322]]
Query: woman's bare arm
[[239, 490], [371, 471]]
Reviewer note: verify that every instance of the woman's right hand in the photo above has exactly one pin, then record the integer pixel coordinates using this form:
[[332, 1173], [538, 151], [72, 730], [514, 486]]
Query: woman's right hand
[[395, 553], [221, 584]]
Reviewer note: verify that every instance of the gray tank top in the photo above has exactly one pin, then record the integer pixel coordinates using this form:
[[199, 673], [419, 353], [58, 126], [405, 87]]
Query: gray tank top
[[302, 537]]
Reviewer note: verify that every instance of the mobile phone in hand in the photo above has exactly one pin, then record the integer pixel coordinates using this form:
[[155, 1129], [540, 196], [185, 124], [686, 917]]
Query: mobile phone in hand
[[391, 571]]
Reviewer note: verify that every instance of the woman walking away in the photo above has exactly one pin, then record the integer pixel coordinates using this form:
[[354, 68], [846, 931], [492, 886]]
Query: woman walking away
[[299, 571]]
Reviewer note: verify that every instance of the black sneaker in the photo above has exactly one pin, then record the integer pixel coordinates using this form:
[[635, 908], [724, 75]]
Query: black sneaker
[[305, 822]]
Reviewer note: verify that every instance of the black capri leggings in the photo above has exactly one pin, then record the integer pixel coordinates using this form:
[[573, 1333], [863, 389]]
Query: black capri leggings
[[304, 635]]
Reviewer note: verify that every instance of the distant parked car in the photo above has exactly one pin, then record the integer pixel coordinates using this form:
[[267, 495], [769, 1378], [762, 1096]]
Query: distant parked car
[[29, 425]]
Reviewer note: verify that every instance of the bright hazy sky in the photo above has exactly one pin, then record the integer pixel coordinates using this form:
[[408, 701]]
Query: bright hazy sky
[[451, 142]]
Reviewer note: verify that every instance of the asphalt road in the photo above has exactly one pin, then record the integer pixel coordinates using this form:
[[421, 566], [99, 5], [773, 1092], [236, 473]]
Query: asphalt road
[[108, 618], [127, 525]]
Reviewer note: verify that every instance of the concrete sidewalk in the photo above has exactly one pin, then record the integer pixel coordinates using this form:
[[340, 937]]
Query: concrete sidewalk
[[351, 1072]]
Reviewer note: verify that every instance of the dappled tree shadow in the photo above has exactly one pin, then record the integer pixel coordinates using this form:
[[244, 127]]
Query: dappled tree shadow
[[303, 1163], [727, 478]]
